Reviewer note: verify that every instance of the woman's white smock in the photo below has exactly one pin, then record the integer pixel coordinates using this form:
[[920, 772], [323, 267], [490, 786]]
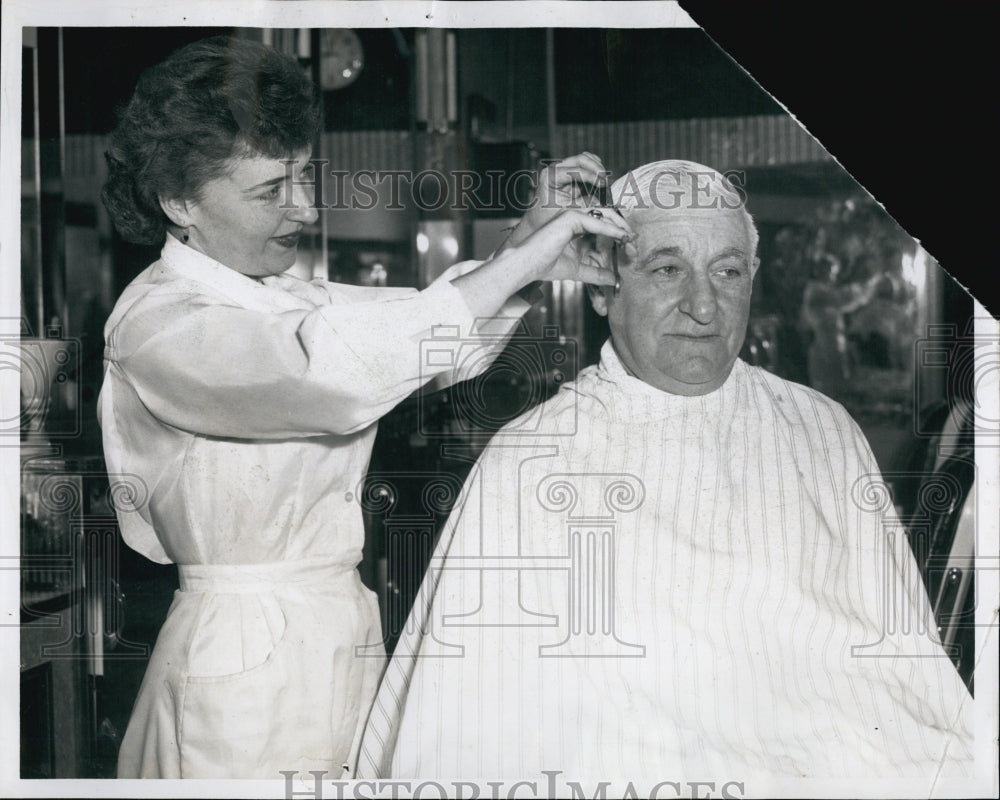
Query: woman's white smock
[[243, 414]]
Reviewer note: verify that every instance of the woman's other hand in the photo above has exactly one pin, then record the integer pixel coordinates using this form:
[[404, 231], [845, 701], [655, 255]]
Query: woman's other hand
[[564, 247], [549, 253], [570, 183]]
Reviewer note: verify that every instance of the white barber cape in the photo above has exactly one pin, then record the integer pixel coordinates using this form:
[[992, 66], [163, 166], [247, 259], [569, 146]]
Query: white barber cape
[[656, 588], [243, 415]]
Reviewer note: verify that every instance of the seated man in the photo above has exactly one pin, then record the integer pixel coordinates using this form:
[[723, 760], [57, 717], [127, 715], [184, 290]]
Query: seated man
[[679, 568]]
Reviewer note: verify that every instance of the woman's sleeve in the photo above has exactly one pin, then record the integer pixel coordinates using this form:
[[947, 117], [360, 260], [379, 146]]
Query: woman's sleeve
[[224, 370]]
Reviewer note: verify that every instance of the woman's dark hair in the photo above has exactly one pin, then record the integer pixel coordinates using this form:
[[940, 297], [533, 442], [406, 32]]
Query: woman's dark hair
[[206, 103]]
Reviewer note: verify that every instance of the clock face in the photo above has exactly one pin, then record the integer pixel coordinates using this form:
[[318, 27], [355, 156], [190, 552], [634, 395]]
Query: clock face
[[341, 58]]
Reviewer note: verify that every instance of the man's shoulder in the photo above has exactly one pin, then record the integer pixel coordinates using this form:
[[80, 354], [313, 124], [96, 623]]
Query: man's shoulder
[[806, 400], [553, 421], [550, 417]]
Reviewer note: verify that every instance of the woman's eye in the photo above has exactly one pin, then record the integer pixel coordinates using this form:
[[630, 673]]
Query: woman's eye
[[270, 194]]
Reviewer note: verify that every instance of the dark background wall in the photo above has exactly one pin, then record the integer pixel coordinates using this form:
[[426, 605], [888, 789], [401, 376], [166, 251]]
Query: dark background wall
[[897, 92]]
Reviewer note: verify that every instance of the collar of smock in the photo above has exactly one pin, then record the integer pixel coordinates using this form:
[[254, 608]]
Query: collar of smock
[[624, 395], [271, 294]]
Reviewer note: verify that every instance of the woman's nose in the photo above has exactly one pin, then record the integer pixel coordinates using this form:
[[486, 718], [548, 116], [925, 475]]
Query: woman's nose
[[302, 203], [699, 301]]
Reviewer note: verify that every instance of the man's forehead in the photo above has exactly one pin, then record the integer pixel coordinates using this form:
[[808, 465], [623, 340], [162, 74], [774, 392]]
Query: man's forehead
[[653, 226]]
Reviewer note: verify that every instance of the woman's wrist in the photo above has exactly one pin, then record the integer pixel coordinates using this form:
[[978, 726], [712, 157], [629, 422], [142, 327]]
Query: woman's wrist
[[519, 269], [532, 293]]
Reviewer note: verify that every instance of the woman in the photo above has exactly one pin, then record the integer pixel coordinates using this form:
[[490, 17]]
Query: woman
[[246, 400]]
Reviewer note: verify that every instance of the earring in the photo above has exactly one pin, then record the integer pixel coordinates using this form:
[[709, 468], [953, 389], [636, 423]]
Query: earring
[[185, 237]]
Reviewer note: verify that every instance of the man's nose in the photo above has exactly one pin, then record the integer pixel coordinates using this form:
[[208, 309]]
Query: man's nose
[[302, 204], [699, 301]]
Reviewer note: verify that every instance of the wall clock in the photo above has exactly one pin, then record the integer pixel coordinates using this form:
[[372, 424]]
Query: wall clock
[[341, 58]]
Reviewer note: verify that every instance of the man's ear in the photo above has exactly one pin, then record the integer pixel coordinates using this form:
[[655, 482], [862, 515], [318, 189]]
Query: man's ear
[[599, 298], [600, 256], [753, 266], [177, 211]]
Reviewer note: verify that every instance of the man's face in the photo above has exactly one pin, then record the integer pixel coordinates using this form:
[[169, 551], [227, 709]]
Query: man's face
[[680, 317]]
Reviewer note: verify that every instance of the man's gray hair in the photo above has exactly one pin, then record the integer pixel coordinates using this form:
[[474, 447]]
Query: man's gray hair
[[675, 182]]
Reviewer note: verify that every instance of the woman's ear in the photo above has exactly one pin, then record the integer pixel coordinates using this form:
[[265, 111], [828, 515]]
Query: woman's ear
[[177, 211]]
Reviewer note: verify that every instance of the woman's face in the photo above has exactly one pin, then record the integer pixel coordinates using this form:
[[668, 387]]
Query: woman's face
[[251, 217]]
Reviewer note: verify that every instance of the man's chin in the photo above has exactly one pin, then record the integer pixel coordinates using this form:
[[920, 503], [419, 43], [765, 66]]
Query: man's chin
[[696, 377]]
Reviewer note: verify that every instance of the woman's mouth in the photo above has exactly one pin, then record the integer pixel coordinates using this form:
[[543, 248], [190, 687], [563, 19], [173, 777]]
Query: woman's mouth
[[289, 240]]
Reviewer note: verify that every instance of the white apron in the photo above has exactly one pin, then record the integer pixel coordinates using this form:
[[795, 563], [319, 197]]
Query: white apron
[[257, 669], [243, 414]]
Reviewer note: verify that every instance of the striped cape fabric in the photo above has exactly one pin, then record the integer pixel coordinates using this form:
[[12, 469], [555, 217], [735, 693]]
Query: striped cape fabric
[[644, 587]]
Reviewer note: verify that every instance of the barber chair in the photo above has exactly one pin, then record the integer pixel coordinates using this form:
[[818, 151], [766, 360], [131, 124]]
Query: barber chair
[[947, 494]]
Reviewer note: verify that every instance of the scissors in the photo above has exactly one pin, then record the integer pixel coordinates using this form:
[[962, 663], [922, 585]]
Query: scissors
[[603, 195]]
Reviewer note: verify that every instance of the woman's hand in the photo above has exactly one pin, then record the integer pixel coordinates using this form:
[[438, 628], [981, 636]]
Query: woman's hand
[[564, 249], [566, 184], [545, 255]]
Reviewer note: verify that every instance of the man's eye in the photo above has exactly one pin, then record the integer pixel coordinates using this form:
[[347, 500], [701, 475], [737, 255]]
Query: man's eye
[[665, 269], [730, 272]]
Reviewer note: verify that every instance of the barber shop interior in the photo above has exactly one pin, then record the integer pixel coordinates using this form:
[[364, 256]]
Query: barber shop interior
[[428, 151]]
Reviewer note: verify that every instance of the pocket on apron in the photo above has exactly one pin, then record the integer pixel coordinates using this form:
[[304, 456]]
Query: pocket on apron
[[236, 675], [234, 634]]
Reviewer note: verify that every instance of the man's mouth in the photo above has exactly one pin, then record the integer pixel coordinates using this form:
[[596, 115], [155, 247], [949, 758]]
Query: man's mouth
[[695, 337], [289, 240]]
